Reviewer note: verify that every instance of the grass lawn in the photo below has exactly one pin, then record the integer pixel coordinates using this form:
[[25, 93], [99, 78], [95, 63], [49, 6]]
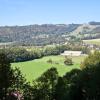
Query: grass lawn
[[92, 41], [33, 69]]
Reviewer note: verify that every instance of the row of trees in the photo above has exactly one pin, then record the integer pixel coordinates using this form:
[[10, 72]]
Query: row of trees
[[79, 84], [18, 54]]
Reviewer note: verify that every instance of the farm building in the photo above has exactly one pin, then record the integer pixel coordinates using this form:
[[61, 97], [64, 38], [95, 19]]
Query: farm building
[[72, 53]]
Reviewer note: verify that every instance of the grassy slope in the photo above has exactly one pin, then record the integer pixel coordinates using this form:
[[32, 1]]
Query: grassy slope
[[33, 69], [92, 41]]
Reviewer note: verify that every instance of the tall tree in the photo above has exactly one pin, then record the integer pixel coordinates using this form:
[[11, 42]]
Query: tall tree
[[47, 83], [6, 76]]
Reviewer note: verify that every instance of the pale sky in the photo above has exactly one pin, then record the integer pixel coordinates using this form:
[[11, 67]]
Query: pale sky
[[26, 12]]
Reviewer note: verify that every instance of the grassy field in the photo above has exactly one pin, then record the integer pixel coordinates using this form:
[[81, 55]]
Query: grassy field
[[33, 69], [92, 41]]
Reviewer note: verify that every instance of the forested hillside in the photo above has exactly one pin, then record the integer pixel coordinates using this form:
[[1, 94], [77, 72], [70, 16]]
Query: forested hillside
[[48, 33]]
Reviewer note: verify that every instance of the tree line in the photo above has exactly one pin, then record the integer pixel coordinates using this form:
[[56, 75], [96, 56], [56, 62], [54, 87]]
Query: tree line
[[20, 54]]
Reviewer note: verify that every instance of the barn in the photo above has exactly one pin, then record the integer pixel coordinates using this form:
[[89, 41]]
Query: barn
[[72, 53]]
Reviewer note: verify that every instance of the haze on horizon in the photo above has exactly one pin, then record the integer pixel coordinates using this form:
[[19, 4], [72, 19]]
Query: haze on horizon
[[26, 12]]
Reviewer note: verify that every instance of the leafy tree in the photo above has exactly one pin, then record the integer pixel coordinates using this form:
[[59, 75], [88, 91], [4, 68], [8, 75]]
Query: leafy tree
[[46, 84], [11, 80], [6, 76], [19, 81], [61, 89], [84, 84], [68, 61], [73, 88], [92, 60], [29, 92], [50, 61], [51, 51]]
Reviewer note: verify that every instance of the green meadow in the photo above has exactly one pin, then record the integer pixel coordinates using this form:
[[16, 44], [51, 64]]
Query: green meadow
[[33, 69], [92, 41]]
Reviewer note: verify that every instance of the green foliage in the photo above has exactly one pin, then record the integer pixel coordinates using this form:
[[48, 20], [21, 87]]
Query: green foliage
[[18, 85], [68, 61], [81, 84], [47, 83], [21, 54], [10, 80], [86, 85], [33, 69], [70, 81], [18, 80], [49, 61], [75, 85], [6, 75], [60, 89], [51, 51], [95, 42], [91, 60]]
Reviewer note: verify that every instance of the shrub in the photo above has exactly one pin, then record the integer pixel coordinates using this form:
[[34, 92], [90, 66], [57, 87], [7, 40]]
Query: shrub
[[50, 61], [68, 61]]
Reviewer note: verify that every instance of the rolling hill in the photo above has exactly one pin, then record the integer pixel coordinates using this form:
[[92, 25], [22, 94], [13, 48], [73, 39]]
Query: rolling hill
[[48, 33]]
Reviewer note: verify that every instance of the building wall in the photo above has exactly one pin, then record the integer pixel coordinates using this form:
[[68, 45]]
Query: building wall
[[72, 53]]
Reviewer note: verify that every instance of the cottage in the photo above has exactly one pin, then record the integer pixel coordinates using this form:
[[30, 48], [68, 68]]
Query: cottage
[[72, 53]]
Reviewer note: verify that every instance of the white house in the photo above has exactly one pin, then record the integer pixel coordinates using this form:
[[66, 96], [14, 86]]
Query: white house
[[72, 53]]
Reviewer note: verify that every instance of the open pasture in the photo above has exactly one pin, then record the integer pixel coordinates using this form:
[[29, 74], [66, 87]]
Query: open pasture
[[92, 41], [33, 69]]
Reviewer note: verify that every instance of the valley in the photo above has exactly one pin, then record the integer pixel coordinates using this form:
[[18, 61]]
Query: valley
[[49, 49]]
